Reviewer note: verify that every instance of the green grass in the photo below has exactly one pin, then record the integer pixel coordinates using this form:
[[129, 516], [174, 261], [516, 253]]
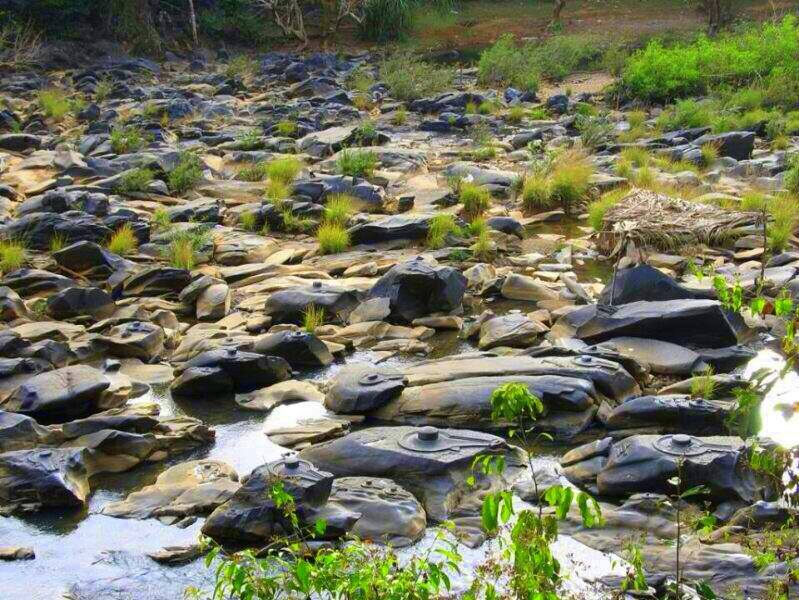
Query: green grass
[[333, 238], [536, 193], [123, 240], [256, 172], [506, 64], [276, 191], [356, 163], [338, 209], [286, 128], [475, 199], [57, 242], [792, 175], [160, 219], [477, 226], [515, 115], [12, 255], [127, 139], [184, 246], [241, 66], [386, 20], [250, 140], [284, 170], [54, 103], [570, 182], [312, 318], [400, 116], [785, 214], [703, 386], [439, 228], [636, 155], [710, 154], [483, 248], [186, 174], [248, 221], [409, 78], [103, 89], [598, 208], [294, 224], [135, 180], [687, 114], [562, 55]]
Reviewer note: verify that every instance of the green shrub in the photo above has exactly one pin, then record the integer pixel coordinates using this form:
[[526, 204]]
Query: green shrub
[[515, 115], [506, 64], [333, 238], [791, 177], [276, 191], [598, 208], [338, 209], [284, 170], [12, 255], [160, 219], [123, 240], [356, 163], [135, 180], [477, 226], [483, 248], [286, 128], [439, 228], [562, 55], [400, 116], [385, 20], [768, 51], [248, 221], [475, 199], [127, 139], [570, 181], [54, 104], [103, 89], [594, 131], [409, 78], [686, 114], [785, 217], [186, 174], [710, 154]]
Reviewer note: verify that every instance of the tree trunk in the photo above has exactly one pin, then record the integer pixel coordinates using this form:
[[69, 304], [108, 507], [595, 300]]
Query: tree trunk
[[556, 11], [193, 17]]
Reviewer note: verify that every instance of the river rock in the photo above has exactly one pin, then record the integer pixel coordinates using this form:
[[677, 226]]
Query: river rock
[[432, 464], [299, 348], [659, 357], [137, 339], [643, 282], [668, 414], [284, 392], [359, 388], [513, 330], [250, 516], [76, 302], [20, 432], [389, 514], [193, 488], [418, 288], [44, 477], [391, 228], [229, 369], [290, 305]]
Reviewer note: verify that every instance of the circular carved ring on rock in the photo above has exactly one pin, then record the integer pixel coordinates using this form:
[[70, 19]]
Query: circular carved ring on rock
[[681, 445], [431, 439], [371, 379], [291, 466]]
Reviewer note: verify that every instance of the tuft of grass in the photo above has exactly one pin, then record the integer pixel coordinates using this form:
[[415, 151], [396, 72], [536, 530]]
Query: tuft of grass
[[54, 103], [515, 115], [704, 386], [598, 208], [103, 89], [483, 248], [539, 113], [400, 116], [182, 251], [439, 228], [333, 238], [12, 255], [356, 163], [570, 180], [338, 209], [536, 193], [286, 128], [135, 180], [791, 177], [477, 226], [256, 172], [753, 202], [123, 240], [687, 114], [248, 221], [312, 318], [250, 140], [241, 66], [780, 142], [385, 20], [58, 242], [276, 191], [785, 214], [160, 219], [294, 224], [127, 139], [710, 154], [636, 155], [409, 78], [186, 174], [475, 199], [284, 170]]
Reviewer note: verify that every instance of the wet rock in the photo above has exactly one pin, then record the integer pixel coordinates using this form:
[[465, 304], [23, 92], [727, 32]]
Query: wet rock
[[306, 431], [668, 414], [20, 432], [157, 281], [91, 259], [520, 287], [431, 464], [60, 395], [177, 555], [50, 477], [290, 305], [299, 348], [389, 514], [136, 339], [513, 330], [359, 388], [373, 309], [392, 228], [11, 305], [229, 369], [251, 516], [700, 323], [9, 553], [77, 301], [645, 463], [506, 225], [285, 392], [418, 288], [193, 488], [30, 283]]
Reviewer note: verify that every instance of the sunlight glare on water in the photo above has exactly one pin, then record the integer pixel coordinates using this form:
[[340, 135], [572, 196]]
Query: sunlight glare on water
[[784, 431]]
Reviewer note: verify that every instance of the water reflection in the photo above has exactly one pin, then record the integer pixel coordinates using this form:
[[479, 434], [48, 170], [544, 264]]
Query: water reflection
[[784, 431]]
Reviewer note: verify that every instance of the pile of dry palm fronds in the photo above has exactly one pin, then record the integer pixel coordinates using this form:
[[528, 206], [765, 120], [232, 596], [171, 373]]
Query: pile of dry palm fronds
[[665, 223]]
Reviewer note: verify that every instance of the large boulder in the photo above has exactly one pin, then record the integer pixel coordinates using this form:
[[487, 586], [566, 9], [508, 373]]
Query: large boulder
[[432, 464], [299, 348], [391, 228], [20, 432], [658, 357], [229, 370], [79, 301], [251, 515], [667, 414], [418, 288], [646, 463], [360, 388], [136, 339], [290, 305], [645, 283], [513, 330], [701, 323], [61, 395], [44, 477], [735, 144]]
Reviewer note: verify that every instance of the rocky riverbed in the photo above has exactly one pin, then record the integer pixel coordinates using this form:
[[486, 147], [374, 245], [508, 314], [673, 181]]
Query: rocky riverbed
[[147, 396]]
